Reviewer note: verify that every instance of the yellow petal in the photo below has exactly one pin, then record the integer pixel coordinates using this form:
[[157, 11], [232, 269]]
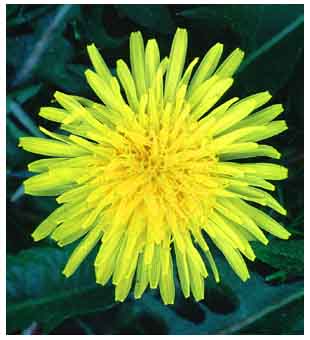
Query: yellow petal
[[207, 66], [230, 64], [176, 64], [137, 61], [82, 250]]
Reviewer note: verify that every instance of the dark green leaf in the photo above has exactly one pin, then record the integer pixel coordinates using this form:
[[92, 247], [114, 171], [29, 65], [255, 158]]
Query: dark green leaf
[[15, 156], [287, 319], [11, 9], [154, 17], [229, 308], [94, 29], [27, 16], [69, 78], [268, 67], [56, 68], [52, 25], [22, 95], [241, 20], [264, 39], [18, 48], [37, 291], [287, 256], [22, 116], [34, 49], [251, 25]]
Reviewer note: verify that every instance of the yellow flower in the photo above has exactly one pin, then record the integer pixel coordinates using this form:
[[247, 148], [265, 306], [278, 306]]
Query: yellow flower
[[149, 173]]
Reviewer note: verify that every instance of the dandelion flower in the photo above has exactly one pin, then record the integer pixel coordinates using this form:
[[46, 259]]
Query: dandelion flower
[[151, 174]]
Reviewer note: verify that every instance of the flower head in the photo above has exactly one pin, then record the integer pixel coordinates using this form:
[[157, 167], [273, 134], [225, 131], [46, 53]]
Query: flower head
[[152, 172]]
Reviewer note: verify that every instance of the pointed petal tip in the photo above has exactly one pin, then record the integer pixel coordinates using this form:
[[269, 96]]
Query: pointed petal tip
[[181, 29], [135, 34], [282, 211], [219, 45], [170, 302], [187, 295], [66, 273], [88, 72], [199, 298], [91, 45], [137, 296], [285, 126], [58, 94], [245, 277], [285, 235], [151, 41], [267, 92], [285, 173], [230, 81], [278, 155], [35, 237], [240, 51], [119, 62], [119, 299]]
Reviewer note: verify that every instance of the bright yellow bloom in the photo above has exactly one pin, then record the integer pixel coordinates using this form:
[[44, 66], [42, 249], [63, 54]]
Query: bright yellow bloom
[[149, 173]]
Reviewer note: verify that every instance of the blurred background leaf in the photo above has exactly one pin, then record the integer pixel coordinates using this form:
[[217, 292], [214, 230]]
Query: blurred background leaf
[[252, 27], [287, 256], [93, 31], [226, 310], [156, 18], [46, 51], [37, 291]]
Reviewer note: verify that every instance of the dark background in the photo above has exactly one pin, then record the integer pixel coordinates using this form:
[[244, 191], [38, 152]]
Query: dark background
[[46, 51]]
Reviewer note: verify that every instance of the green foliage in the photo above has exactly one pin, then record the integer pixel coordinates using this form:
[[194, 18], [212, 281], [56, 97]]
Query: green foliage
[[52, 39], [242, 21], [264, 39], [37, 291], [287, 256], [287, 319], [22, 95], [92, 30], [154, 17], [231, 307]]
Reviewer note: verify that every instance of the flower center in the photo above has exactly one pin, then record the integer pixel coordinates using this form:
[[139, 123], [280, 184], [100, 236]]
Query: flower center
[[169, 162], [162, 166]]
